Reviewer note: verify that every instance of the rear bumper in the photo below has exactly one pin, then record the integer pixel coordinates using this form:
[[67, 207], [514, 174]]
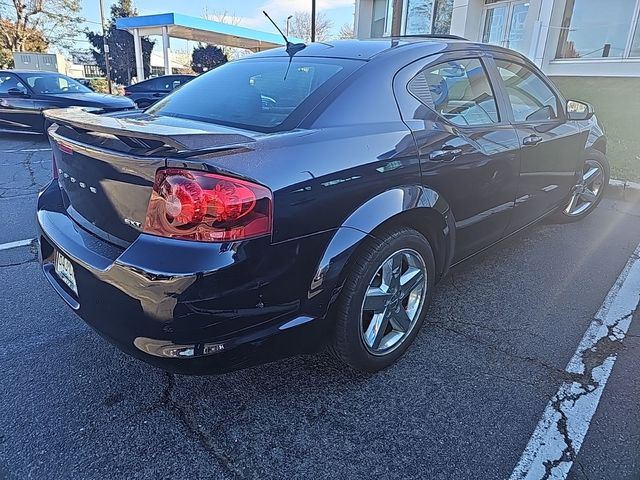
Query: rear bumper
[[188, 307]]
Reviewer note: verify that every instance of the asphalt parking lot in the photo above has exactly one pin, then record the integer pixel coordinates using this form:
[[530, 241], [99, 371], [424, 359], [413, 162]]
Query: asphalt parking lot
[[462, 404]]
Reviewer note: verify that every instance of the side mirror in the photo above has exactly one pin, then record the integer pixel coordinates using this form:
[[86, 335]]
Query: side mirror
[[579, 110], [17, 92]]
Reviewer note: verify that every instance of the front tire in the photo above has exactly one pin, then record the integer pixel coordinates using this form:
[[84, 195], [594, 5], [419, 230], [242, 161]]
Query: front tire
[[384, 300], [589, 192]]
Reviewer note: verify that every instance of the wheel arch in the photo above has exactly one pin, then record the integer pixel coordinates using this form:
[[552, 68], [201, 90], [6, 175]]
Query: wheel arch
[[414, 206], [600, 144]]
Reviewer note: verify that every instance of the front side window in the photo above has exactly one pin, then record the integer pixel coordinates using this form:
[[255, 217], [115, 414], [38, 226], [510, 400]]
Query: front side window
[[259, 94], [458, 91], [52, 83], [595, 29], [531, 98]]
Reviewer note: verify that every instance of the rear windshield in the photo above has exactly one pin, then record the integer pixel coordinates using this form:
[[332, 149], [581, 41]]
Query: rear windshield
[[263, 94]]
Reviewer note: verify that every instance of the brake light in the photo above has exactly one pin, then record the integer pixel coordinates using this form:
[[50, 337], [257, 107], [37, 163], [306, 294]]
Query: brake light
[[208, 207], [65, 148]]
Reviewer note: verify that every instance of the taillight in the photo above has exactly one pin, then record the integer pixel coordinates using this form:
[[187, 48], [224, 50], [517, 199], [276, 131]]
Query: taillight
[[208, 207], [64, 148], [54, 167]]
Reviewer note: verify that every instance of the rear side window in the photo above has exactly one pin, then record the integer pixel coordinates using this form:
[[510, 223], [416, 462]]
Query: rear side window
[[260, 94], [531, 98], [457, 90]]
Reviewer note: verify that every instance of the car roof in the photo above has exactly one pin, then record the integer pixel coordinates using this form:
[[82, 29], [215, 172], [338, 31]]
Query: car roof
[[359, 49], [44, 72], [367, 49]]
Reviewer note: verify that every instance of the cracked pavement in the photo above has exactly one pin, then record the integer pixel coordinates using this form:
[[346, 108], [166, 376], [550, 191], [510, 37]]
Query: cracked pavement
[[462, 404]]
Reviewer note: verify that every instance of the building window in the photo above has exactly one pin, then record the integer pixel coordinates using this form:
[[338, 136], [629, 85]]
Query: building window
[[157, 71], [92, 71], [596, 29], [428, 17], [381, 18], [635, 41]]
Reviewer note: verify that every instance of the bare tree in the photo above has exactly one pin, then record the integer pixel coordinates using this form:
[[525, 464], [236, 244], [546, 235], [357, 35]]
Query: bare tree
[[346, 31], [300, 26], [230, 18], [56, 20], [222, 16]]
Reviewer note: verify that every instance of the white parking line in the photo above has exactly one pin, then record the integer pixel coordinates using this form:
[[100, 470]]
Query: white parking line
[[557, 439], [26, 150], [16, 244]]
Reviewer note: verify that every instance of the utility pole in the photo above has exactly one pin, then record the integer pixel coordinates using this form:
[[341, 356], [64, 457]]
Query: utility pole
[[105, 47], [288, 21], [313, 21]]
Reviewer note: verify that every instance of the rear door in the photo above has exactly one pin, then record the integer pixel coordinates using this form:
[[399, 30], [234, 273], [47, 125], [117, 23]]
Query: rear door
[[16, 110], [550, 146], [469, 151]]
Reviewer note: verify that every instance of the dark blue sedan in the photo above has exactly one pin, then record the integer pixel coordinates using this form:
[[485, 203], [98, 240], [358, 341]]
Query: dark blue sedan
[[307, 197], [149, 91], [25, 95]]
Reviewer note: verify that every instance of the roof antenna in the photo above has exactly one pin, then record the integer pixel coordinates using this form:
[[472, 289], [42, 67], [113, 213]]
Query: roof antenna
[[292, 48]]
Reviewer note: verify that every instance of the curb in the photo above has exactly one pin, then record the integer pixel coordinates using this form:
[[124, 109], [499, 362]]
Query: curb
[[624, 190]]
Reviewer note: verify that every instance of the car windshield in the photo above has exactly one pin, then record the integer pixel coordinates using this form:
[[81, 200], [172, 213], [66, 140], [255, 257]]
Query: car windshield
[[259, 94], [52, 83]]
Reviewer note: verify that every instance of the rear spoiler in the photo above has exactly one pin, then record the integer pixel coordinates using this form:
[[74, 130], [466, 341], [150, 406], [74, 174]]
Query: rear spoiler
[[147, 133]]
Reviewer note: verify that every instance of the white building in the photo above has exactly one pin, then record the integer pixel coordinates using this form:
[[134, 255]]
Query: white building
[[50, 62], [81, 64], [564, 37]]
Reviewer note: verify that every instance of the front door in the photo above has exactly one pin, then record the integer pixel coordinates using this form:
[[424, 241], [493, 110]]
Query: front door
[[16, 106], [504, 24], [550, 146]]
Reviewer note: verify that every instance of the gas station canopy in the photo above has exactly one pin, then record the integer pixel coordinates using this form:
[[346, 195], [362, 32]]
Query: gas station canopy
[[196, 29]]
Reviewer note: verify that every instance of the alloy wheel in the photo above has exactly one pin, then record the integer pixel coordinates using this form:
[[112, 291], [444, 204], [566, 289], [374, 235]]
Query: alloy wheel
[[393, 301], [588, 191]]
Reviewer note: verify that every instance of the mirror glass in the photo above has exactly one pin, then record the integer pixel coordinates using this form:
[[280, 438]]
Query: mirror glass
[[573, 106], [577, 110]]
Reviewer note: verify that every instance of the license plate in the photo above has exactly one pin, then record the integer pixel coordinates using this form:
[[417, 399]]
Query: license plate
[[64, 270]]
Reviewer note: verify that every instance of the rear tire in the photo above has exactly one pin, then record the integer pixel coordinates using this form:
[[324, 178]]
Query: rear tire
[[588, 194], [384, 300]]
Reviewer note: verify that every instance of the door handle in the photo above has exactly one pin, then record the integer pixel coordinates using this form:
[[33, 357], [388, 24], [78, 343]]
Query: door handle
[[447, 154], [531, 140]]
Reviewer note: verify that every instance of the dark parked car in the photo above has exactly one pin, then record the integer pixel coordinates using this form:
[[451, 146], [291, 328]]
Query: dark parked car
[[84, 81], [25, 95], [149, 91], [217, 230]]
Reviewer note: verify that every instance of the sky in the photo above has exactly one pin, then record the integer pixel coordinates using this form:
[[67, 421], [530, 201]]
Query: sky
[[249, 11]]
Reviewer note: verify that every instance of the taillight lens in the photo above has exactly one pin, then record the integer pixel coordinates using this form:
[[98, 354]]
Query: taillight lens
[[208, 207]]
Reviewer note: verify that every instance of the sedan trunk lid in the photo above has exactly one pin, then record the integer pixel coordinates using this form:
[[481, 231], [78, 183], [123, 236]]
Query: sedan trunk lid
[[107, 164]]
